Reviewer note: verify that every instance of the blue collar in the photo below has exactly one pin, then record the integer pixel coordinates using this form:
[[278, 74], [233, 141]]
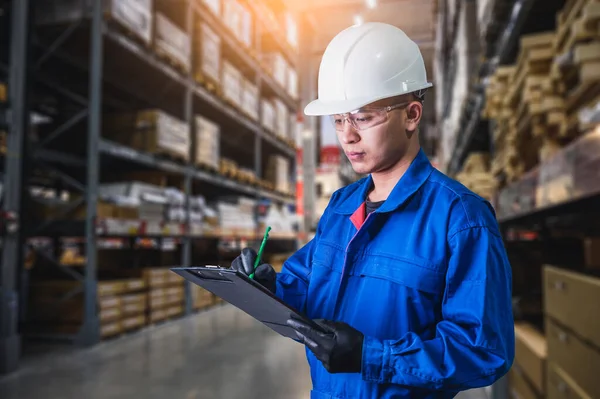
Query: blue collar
[[416, 175]]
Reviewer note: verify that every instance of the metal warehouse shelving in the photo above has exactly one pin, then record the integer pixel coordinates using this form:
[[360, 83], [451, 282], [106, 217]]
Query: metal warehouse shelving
[[532, 15], [82, 70]]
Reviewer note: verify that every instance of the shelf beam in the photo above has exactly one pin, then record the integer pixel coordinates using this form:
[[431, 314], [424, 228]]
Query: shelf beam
[[188, 101], [18, 121], [90, 331]]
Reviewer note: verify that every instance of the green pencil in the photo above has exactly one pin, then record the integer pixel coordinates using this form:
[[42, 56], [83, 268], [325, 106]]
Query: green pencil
[[261, 250]]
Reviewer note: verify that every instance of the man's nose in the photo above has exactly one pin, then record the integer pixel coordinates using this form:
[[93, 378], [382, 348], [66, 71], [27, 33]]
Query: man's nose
[[349, 134]]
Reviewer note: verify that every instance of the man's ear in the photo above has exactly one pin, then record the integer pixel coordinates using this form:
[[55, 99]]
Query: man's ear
[[414, 112]]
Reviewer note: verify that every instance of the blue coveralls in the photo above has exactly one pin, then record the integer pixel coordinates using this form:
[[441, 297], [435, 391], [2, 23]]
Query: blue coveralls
[[425, 278]]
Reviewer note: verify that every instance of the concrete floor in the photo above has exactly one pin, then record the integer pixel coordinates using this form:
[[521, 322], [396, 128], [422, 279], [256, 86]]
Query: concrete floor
[[220, 353]]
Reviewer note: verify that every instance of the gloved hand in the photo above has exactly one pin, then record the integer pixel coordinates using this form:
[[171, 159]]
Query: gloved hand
[[338, 346], [264, 274]]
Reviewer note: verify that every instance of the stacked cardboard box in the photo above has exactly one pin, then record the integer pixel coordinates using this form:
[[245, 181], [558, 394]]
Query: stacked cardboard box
[[292, 83], [527, 377], [172, 43], [268, 115], [238, 20], [165, 293], [214, 6], [291, 29], [573, 333], [201, 298], [232, 84], [282, 119], [277, 173], [250, 98], [207, 57], [133, 16], [246, 30], [208, 138], [150, 130], [277, 66], [49, 314], [237, 215]]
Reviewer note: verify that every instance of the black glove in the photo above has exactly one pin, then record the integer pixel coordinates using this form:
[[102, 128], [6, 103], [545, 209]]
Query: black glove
[[264, 274], [338, 346]]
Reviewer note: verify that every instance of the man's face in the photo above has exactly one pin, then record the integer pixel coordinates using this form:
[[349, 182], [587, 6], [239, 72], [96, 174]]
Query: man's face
[[380, 147]]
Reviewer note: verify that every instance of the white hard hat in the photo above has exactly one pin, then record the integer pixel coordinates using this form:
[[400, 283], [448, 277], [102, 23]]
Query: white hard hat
[[364, 64]]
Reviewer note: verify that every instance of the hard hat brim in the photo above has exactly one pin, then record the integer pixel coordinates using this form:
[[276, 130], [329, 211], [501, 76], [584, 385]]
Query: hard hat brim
[[320, 108]]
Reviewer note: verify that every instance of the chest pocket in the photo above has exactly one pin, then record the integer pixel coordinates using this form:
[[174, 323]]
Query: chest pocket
[[400, 271], [397, 295]]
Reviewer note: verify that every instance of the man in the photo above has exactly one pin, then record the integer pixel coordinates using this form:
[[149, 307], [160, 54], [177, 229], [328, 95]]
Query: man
[[407, 273]]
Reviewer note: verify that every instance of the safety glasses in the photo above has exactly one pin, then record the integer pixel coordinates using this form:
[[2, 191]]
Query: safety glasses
[[364, 118]]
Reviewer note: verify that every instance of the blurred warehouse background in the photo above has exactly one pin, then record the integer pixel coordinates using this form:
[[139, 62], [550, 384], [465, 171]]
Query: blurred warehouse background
[[140, 134]]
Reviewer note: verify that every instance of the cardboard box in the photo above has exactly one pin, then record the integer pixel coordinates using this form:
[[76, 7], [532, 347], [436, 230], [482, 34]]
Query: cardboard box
[[232, 84], [149, 130], [48, 309], [214, 6], [201, 298], [291, 29], [572, 299], [561, 385], [232, 17], [576, 358], [518, 386], [282, 119], [278, 173], [156, 299], [103, 210], [157, 131], [133, 285], [173, 311], [591, 250], [134, 16], [292, 83], [110, 330], [133, 304], [208, 142], [207, 61], [133, 323], [250, 96], [156, 277], [157, 315], [277, 66], [531, 354], [246, 27], [268, 115], [172, 42]]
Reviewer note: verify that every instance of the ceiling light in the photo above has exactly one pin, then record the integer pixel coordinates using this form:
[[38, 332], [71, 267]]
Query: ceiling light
[[358, 20], [371, 3]]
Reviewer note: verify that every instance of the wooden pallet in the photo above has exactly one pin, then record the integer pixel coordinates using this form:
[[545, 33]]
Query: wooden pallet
[[165, 153], [206, 166], [228, 168], [577, 22], [208, 83], [168, 59]]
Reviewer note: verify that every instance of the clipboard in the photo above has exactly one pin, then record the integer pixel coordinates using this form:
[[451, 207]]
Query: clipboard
[[247, 295]]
